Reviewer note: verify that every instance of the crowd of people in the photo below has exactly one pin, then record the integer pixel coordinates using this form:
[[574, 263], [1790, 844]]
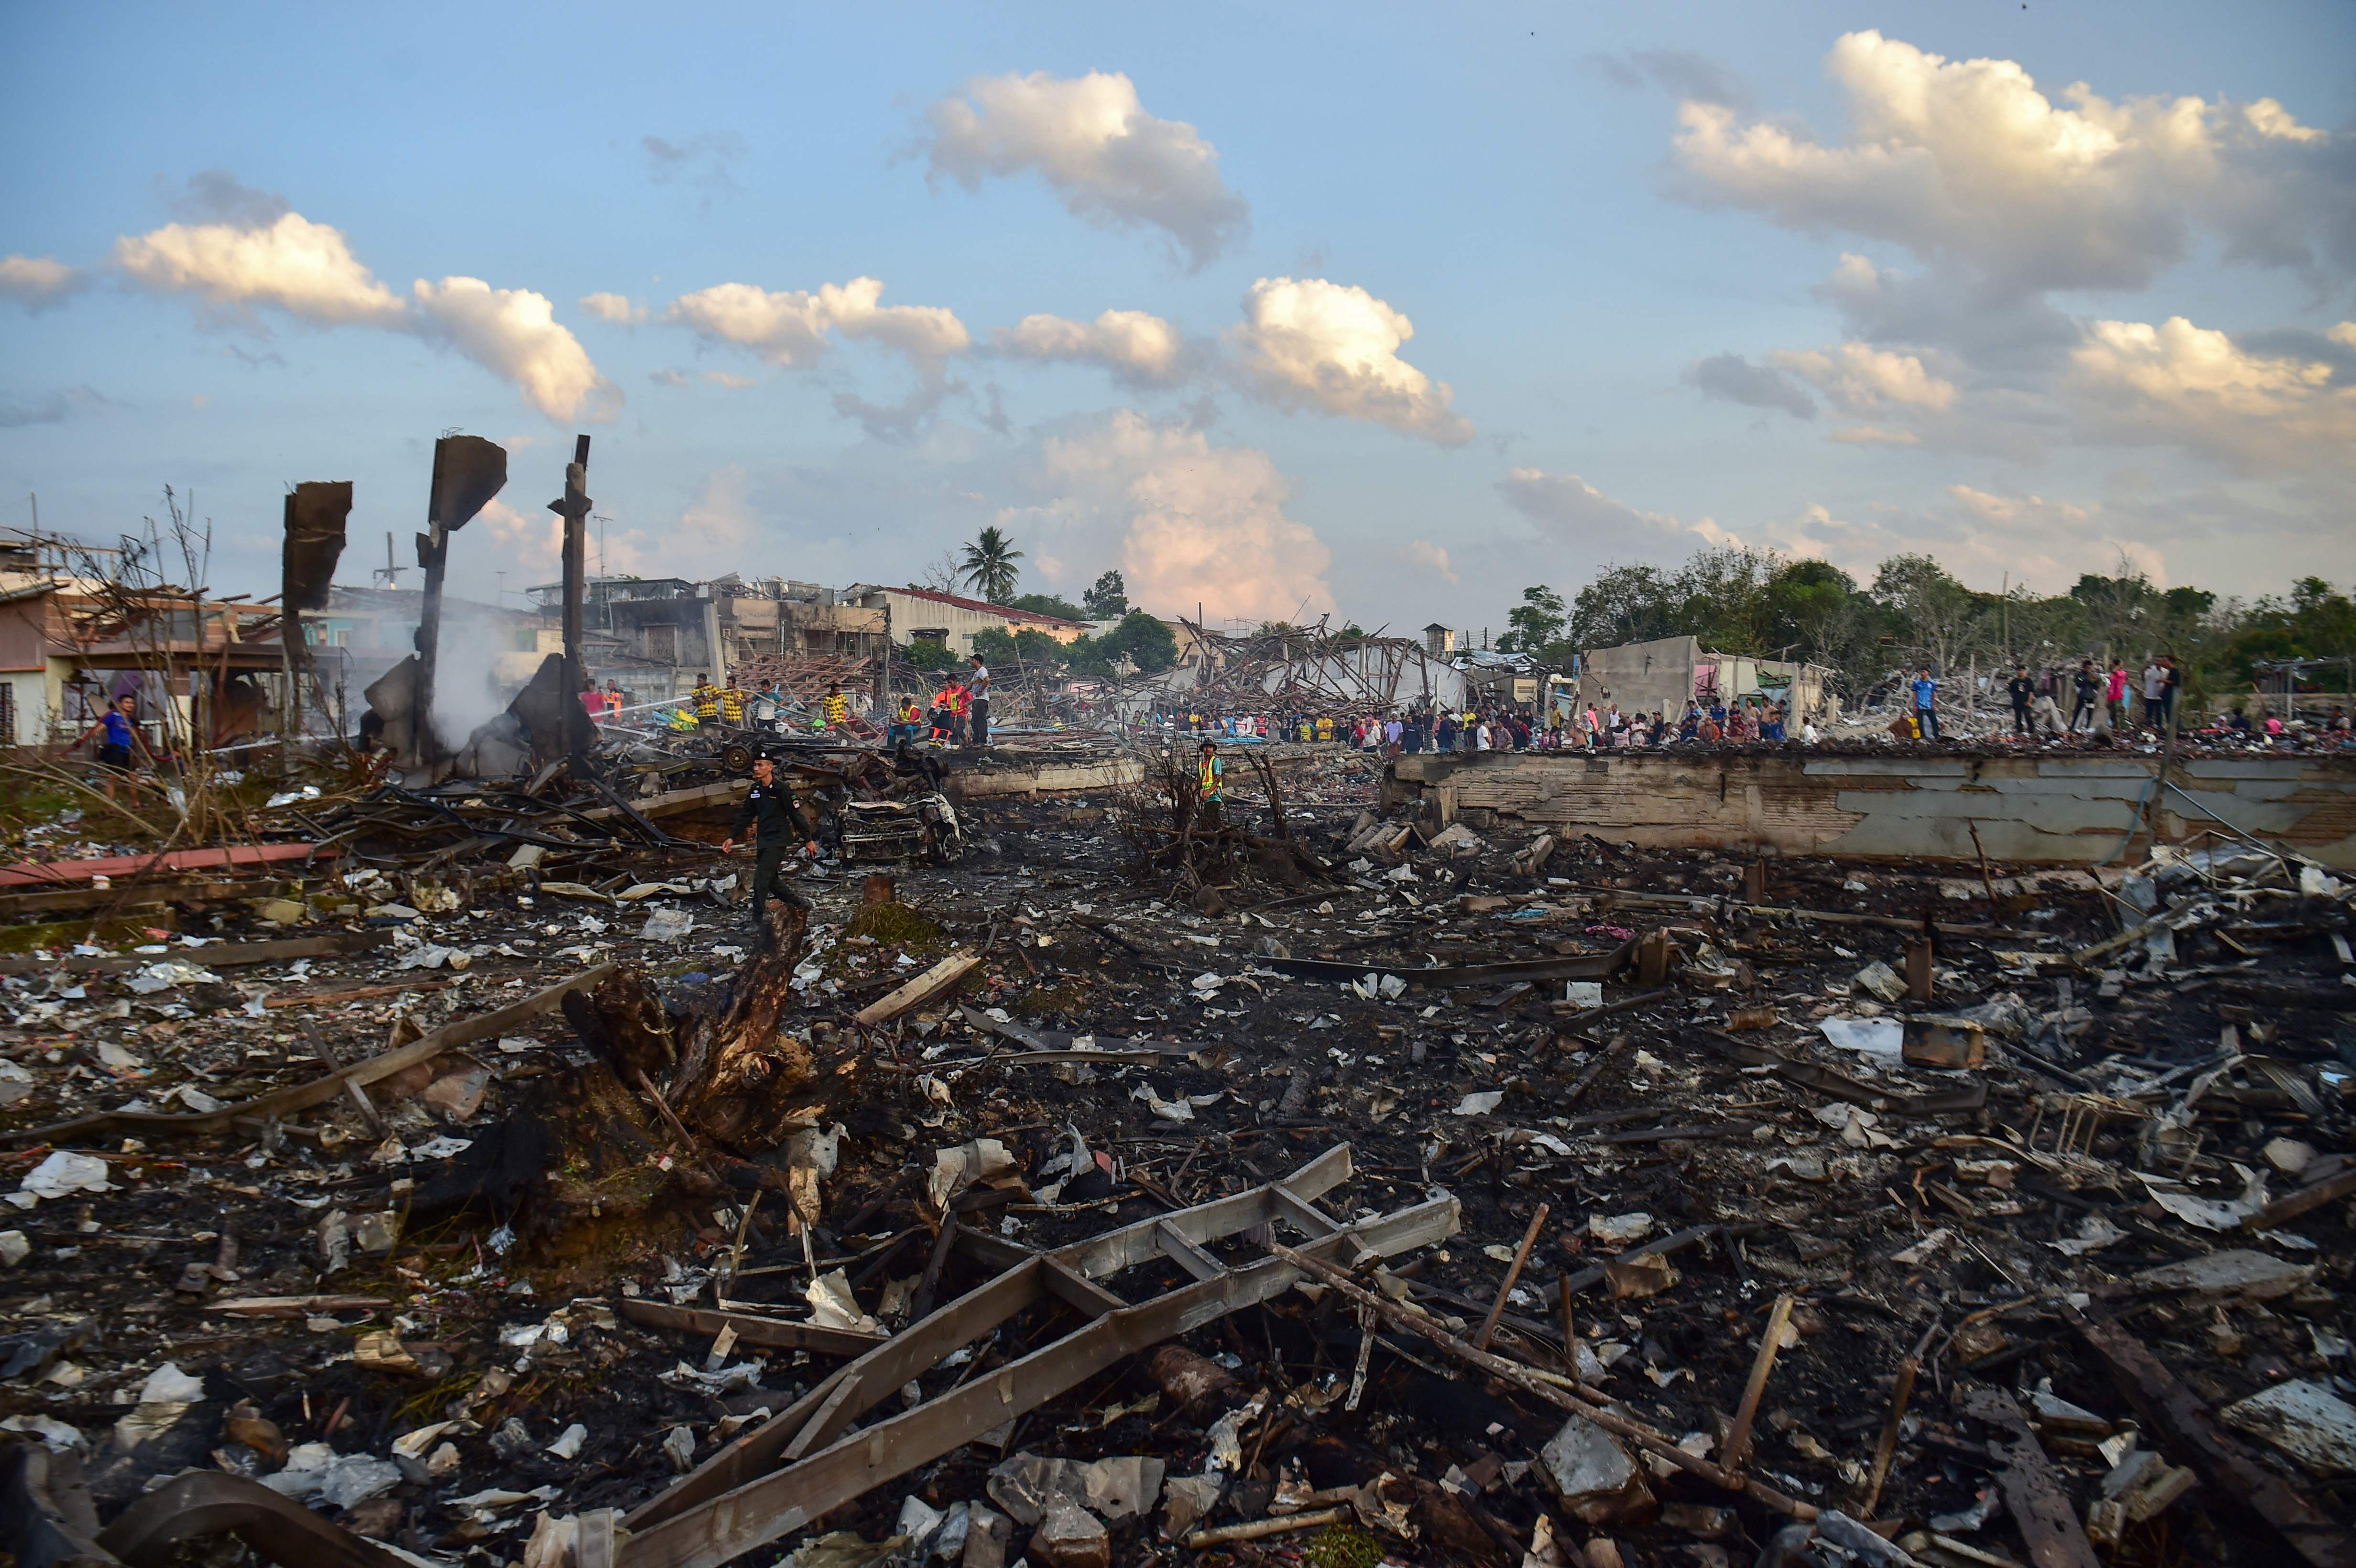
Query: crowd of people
[[1597, 726]]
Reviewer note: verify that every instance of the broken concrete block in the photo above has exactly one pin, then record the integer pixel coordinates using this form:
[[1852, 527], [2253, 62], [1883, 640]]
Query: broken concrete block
[[14, 1248], [1591, 1474], [2260, 1276], [1069, 1536], [279, 912], [1456, 840]]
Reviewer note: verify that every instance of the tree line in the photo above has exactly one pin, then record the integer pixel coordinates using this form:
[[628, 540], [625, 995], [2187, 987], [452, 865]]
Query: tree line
[[1914, 612], [990, 568]]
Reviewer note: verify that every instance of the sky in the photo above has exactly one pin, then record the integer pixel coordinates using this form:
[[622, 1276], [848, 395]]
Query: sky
[[1378, 311]]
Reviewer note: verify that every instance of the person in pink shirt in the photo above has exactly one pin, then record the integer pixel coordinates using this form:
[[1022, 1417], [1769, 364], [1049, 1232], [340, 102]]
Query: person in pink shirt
[[2117, 694]]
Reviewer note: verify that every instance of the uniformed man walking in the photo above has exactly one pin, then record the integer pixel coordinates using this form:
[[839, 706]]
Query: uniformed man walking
[[771, 812]]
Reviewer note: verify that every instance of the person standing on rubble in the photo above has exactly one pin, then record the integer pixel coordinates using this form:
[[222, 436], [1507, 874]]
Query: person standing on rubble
[[2086, 694], [2115, 690], [769, 810], [732, 705], [2022, 690], [120, 727], [707, 701], [836, 706], [1210, 783], [2172, 682], [979, 684], [1926, 702], [2155, 688]]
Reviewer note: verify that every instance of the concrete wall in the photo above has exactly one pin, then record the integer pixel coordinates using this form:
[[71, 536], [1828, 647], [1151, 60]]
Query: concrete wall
[[2050, 809]]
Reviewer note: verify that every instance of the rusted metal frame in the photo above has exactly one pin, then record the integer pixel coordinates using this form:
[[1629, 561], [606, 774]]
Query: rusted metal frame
[[750, 1330], [786, 1499], [213, 1502], [1186, 1255], [1076, 1290], [1023, 1282]]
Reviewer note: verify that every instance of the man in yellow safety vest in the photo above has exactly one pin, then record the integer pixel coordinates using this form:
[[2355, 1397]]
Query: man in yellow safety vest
[[731, 704], [837, 706], [707, 701]]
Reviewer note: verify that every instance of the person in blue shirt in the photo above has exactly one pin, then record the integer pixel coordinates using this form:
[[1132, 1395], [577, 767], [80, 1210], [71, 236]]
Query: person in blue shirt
[[119, 730], [1771, 727], [1926, 713]]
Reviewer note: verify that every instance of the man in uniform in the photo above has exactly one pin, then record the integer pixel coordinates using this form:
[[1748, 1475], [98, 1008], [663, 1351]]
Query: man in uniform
[[1210, 783], [770, 811]]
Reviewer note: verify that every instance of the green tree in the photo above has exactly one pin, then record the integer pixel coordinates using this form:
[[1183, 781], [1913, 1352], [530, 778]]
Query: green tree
[[1942, 620], [1047, 604], [1108, 600], [988, 565], [994, 646], [1535, 624], [928, 654], [1144, 641]]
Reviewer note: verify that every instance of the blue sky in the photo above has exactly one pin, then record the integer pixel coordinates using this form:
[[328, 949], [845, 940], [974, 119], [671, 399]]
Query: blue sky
[[1842, 280]]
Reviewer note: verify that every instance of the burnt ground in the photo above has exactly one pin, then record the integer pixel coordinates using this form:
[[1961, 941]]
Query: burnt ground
[[1693, 1116]]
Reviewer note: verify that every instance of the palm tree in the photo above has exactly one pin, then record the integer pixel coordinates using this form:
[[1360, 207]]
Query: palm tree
[[989, 565]]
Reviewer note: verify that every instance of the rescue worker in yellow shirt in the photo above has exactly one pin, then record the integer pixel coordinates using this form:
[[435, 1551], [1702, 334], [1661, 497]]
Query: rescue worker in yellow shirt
[[837, 706], [1325, 727], [731, 704], [707, 701]]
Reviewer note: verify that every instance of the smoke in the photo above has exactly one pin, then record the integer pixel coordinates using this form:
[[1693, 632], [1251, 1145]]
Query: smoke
[[468, 689]]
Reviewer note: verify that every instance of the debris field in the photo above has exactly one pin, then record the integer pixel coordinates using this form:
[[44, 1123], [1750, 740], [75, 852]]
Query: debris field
[[1322, 1188]]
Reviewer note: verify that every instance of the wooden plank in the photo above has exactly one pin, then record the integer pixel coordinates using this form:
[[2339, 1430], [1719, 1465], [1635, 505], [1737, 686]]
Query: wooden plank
[[932, 982], [41, 873], [2032, 1493], [140, 895], [1186, 1254]]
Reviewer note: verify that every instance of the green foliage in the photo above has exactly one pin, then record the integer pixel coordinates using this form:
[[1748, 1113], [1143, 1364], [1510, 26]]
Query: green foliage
[[1037, 648], [926, 654], [1144, 641], [1108, 600], [1535, 623], [994, 646], [1048, 605], [988, 564]]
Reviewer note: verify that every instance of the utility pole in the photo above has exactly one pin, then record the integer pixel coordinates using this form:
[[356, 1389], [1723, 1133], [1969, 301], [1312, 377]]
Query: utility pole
[[573, 508]]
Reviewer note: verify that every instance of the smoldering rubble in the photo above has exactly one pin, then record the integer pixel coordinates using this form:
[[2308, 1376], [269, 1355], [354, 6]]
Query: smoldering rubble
[[1101, 1183]]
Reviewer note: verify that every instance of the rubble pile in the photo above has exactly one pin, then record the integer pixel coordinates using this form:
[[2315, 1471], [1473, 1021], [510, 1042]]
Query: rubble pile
[[1448, 1198]]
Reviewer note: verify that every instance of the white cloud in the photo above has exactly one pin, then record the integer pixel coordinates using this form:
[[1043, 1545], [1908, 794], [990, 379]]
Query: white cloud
[[1863, 378], [305, 268], [1967, 163], [1429, 558], [1334, 349], [619, 309], [36, 282], [722, 379], [1136, 347], [1580, 516], [1189, 522], [514, 334], [2193, 386], [308, 270], [1875, 435], [790, 329], [1109, 160]]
